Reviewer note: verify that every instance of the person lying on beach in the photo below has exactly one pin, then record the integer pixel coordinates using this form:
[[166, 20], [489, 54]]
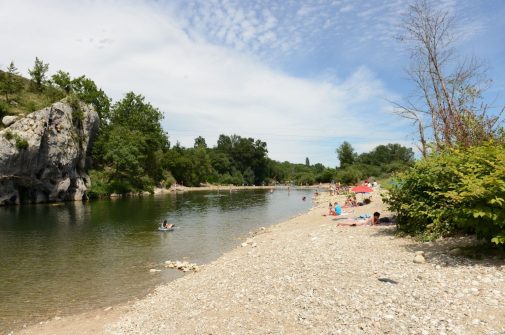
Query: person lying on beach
[[372, 221]]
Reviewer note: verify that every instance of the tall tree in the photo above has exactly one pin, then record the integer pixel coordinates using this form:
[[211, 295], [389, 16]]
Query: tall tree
[[450, 99], [38, 74], [346, 154], [307, 162]]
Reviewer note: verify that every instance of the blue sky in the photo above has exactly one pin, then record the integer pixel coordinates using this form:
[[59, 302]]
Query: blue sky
[[301, 75]]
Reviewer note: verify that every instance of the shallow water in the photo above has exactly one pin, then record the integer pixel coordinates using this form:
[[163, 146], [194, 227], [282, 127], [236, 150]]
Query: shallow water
[[67, 258]]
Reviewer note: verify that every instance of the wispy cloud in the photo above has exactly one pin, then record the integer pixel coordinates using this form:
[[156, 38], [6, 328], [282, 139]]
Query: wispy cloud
[[207, 65]]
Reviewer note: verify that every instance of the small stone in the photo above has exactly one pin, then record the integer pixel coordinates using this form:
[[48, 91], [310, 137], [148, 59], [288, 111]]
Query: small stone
[[438, 267], [254, 245], [456, 251], [244, 244], [106, 309], [475, 322], [420, 253], [154, 270], [419, 259], [9, 119]]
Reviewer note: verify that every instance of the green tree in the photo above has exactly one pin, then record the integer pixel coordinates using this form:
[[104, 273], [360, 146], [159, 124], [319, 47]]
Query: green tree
[[307, 162], [200, 142], [346, 154], [63, 81], [88, 92], [11, 82], [38, 74]]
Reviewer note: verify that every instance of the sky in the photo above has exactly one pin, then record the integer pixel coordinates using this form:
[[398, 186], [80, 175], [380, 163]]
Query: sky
[[303, 76]]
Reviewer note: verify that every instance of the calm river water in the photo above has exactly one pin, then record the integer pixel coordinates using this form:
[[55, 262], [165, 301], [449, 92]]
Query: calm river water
[[67, 258]]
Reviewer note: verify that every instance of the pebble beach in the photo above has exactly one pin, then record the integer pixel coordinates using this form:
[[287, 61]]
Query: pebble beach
[[309, 276]]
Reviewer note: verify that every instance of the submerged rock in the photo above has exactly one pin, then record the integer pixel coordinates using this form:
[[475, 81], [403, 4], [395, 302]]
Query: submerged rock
[[43, 156]]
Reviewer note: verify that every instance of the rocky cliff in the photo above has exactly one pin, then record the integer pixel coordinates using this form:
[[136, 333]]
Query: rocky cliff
[[43, 156]]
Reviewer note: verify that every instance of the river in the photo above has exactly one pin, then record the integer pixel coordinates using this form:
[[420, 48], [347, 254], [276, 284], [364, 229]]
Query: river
[[68, 258]]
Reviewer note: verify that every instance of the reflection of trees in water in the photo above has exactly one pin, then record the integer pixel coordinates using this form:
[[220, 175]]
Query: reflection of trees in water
[[223, 200]]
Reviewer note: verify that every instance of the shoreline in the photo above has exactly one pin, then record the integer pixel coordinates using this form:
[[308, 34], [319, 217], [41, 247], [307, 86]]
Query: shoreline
[[305, 275], [230, 188]]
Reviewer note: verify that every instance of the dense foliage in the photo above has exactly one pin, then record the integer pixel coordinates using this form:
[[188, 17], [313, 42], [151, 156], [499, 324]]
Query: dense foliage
[[381, 162], [457, 190], [132, 153]]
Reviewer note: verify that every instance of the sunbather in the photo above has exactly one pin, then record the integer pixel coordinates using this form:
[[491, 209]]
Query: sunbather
[[361, 221]]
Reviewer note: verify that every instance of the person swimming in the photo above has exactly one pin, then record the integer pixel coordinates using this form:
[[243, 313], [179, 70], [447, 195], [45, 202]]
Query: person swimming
[[166, 225]]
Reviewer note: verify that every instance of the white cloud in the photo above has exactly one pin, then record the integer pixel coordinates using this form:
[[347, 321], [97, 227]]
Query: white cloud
[[202, 88]]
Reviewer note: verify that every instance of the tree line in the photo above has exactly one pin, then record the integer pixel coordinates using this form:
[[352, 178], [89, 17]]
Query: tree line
[[133, 153]]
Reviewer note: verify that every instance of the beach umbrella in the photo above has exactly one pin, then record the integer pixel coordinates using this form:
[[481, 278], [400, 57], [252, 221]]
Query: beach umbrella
[[361, 189]]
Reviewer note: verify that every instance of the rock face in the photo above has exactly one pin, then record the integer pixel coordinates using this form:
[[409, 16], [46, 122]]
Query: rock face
[[43, 156]]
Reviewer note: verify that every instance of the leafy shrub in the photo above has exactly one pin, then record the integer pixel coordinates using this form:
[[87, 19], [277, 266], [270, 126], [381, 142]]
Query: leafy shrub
[[459, 190], [21, 143], [77, 113], [304, 179], [8, 135], [4, 109], [235, 179], [99, 185], [350, 175], [168, 179]]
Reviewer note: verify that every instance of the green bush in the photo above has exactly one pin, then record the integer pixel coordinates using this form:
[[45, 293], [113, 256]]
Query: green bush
[[168, 179], [4, 109], [8, 135], [21, 143], [99, 185], [349, 176], [459, 190], [304, 178]]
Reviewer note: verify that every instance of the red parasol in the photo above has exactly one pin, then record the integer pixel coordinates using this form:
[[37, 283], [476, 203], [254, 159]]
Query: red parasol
[[361, 189]]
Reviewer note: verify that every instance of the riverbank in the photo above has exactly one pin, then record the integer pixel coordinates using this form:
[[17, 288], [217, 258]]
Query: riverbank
[[233, 188], [308, 276]]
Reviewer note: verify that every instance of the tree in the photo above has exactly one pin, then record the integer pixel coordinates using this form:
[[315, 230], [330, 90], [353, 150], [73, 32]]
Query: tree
[[63, 81], [200, 142], [11, 82], [449, 100], [385, 154], [88, 92], [307, 162], [346, 154], [38, 74]]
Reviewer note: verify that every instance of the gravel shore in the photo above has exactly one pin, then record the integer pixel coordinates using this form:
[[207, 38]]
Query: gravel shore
[[308, 276]]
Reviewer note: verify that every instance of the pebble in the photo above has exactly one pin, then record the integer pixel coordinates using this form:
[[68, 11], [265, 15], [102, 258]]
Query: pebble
[[327, 286], [419, 259]]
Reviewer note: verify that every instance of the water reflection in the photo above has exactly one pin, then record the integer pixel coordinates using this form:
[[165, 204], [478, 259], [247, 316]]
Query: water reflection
[[75, 256]]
